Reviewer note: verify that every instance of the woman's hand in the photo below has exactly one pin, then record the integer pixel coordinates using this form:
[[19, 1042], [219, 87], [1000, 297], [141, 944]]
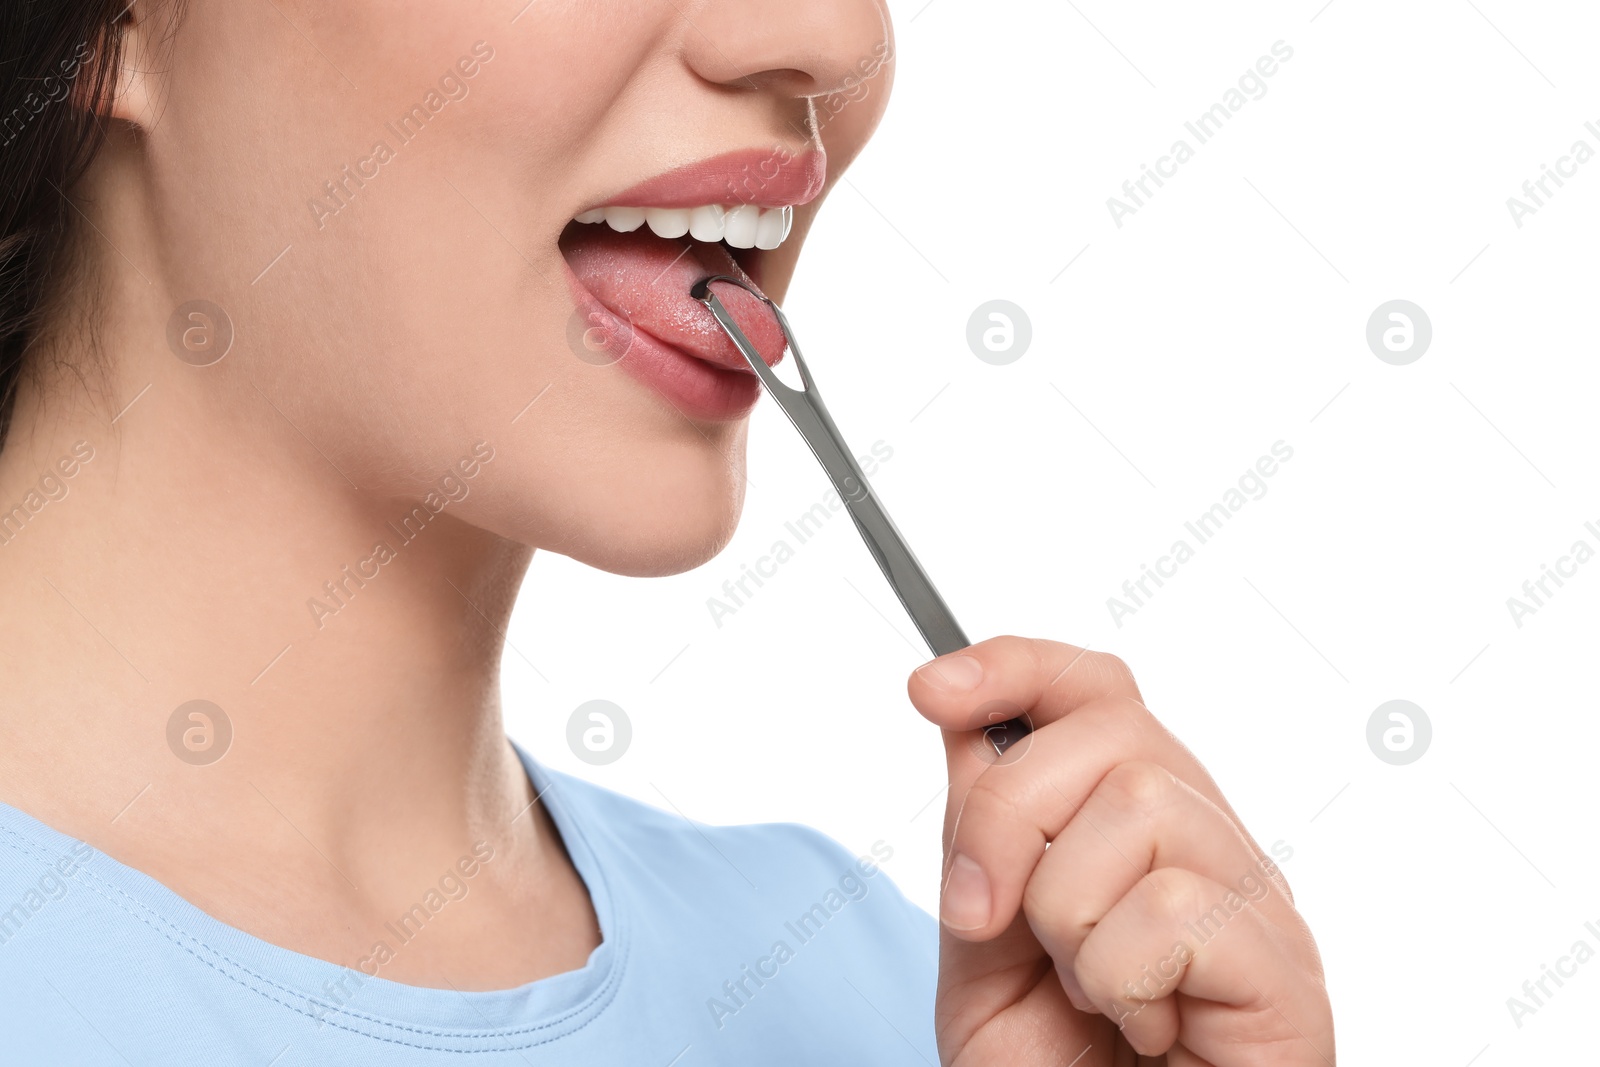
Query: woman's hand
[[1100, 897]]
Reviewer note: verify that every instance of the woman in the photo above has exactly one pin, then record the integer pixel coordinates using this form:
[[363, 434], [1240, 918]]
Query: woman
[[318, 320]]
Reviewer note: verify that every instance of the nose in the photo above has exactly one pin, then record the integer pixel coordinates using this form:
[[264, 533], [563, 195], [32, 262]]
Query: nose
[[797, 48]]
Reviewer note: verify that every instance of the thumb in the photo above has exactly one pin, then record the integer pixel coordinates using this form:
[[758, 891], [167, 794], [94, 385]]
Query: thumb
[[973, 692], [1047, 679]]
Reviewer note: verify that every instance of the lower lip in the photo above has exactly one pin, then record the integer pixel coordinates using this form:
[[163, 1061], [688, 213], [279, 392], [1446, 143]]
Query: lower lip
[[699, 390]]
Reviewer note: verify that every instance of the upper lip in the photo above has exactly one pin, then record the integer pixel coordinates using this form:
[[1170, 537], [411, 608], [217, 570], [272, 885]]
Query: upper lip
[[765, 177]]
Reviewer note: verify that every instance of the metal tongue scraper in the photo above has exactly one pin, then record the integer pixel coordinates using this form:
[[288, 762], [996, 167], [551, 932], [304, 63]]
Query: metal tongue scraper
[[806, 410]]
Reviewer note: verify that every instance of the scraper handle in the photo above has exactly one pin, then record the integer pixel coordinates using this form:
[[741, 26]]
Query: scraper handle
[[900, 566]]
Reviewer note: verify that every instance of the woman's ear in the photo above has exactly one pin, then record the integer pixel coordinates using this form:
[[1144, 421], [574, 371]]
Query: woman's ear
[[134, 96]]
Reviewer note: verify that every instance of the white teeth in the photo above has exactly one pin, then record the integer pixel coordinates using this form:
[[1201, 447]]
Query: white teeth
[[624, 219], [667, 221], [741, 226], [705, 223], [769, 230]]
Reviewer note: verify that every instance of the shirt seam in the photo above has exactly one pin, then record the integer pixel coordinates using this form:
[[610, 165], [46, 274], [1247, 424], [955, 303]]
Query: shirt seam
[[598, 1001]]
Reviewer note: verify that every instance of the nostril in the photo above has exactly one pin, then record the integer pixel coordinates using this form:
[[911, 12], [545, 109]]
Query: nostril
[[789, 81], [809, 48]]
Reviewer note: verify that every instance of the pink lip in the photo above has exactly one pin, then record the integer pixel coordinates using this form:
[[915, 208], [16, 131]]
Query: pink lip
[[765, 177], [634, 287]]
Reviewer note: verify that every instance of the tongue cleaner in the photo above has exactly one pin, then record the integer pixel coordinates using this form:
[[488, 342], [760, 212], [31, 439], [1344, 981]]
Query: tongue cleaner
[[806, 410]]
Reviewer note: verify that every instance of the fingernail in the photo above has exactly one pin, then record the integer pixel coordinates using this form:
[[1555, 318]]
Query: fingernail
[[966, 901], [952, 674]]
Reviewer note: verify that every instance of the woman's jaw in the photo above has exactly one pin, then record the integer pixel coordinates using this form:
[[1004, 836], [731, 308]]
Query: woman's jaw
[[444, 292]]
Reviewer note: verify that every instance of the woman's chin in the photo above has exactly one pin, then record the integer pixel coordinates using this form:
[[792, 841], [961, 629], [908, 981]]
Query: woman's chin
[[656, 559], [645, 544]]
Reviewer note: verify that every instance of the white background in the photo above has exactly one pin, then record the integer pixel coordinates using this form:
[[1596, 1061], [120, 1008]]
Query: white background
[[1227, 314]]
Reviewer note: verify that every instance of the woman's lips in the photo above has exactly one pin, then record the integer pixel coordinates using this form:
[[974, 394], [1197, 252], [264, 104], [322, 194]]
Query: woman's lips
[[768, 177], [634, 307]]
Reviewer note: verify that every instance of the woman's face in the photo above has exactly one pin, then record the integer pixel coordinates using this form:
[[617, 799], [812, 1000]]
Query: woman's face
[[381, 195]]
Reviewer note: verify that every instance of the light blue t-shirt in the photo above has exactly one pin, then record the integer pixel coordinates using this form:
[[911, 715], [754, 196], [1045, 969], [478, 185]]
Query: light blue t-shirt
[[763, 944]]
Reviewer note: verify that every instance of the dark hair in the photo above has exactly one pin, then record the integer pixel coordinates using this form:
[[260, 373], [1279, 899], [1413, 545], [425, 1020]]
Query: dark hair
[[58, 67]]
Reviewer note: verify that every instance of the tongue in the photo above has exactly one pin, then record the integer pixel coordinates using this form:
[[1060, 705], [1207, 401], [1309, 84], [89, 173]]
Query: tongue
[[645, 280]]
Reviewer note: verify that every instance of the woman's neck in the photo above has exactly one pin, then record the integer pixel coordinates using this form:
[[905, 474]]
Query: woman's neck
[[352, 647]]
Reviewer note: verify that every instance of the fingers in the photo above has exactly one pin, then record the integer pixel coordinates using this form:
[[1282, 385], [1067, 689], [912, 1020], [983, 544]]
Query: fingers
[[1246, 999], [1006, 677], [1002, 820], [1104, 838], [1139, 818], [1047, 679]]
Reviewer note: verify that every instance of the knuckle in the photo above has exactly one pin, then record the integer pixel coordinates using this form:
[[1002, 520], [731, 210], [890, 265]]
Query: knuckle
[[1169, 894], [1111, 664], [1113, 670], [1137, 788]]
